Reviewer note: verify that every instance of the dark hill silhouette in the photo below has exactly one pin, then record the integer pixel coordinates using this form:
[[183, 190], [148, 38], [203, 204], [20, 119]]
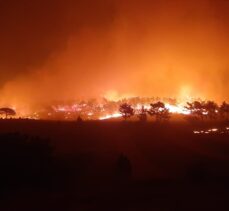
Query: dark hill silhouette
[[120, 165]]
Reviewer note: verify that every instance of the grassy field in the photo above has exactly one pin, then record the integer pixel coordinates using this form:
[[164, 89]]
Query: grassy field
[[168, 166]]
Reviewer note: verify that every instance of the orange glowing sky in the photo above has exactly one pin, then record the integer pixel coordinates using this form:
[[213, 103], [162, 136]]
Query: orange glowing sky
[[60, 50]]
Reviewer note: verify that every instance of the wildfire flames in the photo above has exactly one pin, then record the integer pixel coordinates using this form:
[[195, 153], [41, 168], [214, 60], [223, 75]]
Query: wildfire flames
[[173, 109], [105, 109], [108, 107], [179, 109], [111, 116]]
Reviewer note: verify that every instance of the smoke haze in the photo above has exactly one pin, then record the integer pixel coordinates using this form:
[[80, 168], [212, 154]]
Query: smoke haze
[[61, 50]]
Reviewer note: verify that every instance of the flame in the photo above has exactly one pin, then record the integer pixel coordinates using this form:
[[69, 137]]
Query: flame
[[111, 116], [174, 109], [177, 109], [103, 109]]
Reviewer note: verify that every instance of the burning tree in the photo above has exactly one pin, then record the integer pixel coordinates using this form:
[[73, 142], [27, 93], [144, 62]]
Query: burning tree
[[7, 112], [159, 111], [126, 110]]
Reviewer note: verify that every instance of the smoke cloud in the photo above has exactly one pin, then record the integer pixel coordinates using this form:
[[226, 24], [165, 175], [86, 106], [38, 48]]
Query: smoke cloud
[[63, 50]]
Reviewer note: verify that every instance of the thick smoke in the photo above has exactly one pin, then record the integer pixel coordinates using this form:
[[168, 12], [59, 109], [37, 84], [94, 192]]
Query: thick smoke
[[63, 50]]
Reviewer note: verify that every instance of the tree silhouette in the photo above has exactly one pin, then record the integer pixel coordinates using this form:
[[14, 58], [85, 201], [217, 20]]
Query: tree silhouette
[[203, 109], [224, 110], [163, 115], [197, 109], [159, 111], [7, 112], [211, 108], [142, 115], [126, 110]]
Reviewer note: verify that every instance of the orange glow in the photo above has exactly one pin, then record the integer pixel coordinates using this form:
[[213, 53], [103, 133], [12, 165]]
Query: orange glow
[[117, 49]]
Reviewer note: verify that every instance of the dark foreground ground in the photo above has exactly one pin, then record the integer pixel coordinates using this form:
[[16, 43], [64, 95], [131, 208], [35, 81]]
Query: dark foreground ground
[[112, 166]]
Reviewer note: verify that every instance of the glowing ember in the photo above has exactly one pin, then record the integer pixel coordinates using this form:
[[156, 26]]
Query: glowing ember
[[213, 131], [196, 132]]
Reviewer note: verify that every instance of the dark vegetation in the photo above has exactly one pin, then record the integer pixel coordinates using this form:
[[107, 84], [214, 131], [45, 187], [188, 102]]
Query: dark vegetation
[[126, 110], [7, 112], [112, 166], [159, 111], [199, 110]]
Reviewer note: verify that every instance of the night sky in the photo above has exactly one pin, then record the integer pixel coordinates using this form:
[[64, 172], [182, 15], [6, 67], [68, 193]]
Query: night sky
[[68, 49]]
